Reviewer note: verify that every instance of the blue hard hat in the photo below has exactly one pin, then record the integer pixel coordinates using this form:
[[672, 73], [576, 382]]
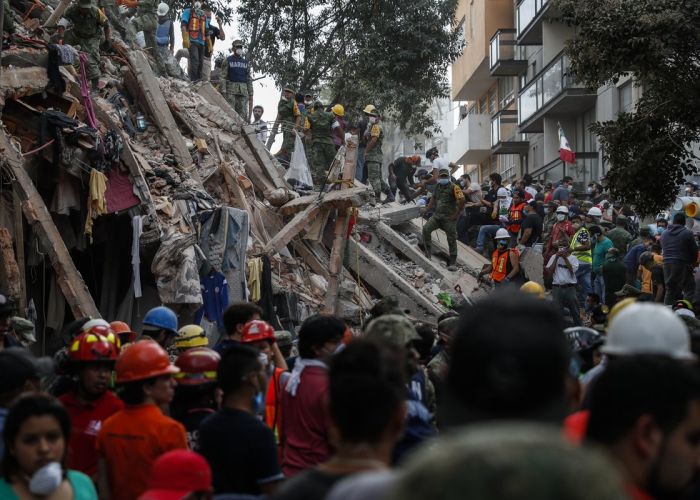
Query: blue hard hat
[[161, 317]]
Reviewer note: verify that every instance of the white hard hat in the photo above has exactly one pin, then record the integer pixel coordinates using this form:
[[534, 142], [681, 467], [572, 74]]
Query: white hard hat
[[502, 234], [95, 322], [646, 328], [562, 209], [595, 212], [63, 22], [163, 9], [502, 192]]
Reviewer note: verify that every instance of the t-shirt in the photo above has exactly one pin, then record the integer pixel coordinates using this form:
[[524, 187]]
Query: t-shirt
[[222, 346], [130, 441], [657, 277], [534, 222], [614, 277], [562, 275], [647, 284], [86, 422], [241, 451], [83, 487], [561, 194], [192, 420], [373, 485], [599, 251], [213, 35], [312, 484]]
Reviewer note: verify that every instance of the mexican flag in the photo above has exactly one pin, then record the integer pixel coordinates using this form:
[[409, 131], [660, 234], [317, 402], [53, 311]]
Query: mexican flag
[[565, 152]]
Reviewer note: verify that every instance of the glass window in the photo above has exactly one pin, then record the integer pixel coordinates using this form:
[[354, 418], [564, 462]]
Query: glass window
[[624, 93], [495, 126], [506, 90], [528, 102], [551, 82], [493, 101], [482, 104]]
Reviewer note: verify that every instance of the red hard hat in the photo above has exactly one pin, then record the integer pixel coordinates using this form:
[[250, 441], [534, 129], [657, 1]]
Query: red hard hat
[[121, 328], [256, 330], [105, 331], [197, 366], [143, 359], [89, 346]]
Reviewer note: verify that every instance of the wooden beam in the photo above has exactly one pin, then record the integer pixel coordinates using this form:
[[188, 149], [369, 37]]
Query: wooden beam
[[214, 97], [265, 158], [19, 250], [57, 13], [353, 197], [67, 276], [392, 213], [293, 227], [9, 270]]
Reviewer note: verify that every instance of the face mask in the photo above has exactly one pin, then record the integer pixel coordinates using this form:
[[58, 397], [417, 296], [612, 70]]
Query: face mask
[[339, 349], [570, 187], [198, 5], [443, 182], [589, 190], [660, 230], [502, 243], [373, 119], [264, 360], [239, 52], [258, 402], [285, 99], [561, 217], [308, 102], [46, 480]]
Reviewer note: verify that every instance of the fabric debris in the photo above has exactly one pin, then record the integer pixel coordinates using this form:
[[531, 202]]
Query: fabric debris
[[96, 199]]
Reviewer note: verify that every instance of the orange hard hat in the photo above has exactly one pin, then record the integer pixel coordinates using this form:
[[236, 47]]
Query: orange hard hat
[[197, 366], [126, 334], [256, 330], [90, 346], [144, 359]]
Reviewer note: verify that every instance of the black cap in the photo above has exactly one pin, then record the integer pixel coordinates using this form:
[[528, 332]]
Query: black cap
[[18, 365]]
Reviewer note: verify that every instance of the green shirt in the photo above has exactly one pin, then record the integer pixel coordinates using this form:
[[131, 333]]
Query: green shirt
[[599, 250], [321, 122], [83, 489], [620, 238]]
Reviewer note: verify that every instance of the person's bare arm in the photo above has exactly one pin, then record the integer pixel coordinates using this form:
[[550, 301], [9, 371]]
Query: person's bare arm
[[278, 358], [525, 237], [515, 262]]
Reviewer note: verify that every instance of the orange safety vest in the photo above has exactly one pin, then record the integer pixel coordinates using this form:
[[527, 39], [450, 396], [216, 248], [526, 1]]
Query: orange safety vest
[[499, 263], [515, 214], [272, 402], [196, 25]]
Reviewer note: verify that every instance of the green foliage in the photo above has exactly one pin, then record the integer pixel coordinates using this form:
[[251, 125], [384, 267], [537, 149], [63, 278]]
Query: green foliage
[[657, 42], [391, 54]]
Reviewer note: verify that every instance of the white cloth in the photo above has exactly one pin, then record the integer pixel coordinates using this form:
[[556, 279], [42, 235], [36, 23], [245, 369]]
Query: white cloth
[[441, 163], [562, 275], [531, 190], [295, 377], [137, 227]]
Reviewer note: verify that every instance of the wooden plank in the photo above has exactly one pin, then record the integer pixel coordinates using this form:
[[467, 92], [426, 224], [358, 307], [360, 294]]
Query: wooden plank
[[392, 213], [310, 258], [265, 158], [293, 227], [67, 276], [353, 197], [19, 250], [159, 110], [57, 14], [9, 270]]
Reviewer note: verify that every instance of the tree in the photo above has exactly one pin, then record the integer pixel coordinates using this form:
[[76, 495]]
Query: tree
[[391, 54], [657, 42]]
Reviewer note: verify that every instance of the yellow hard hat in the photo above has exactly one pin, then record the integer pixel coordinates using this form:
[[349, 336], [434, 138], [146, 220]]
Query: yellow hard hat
[[534, 288], [191, 336], [338, 109], [369, 109], [619, 307]]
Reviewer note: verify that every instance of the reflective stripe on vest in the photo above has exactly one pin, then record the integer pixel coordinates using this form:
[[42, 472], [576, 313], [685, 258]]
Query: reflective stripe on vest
[[583, 255], [163, 32], [499, 262], [272, 402], [194, 26], [515, 214]]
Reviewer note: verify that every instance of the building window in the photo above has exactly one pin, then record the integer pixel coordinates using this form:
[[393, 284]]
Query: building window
[[493, 101], [506, 91], [624, 93]]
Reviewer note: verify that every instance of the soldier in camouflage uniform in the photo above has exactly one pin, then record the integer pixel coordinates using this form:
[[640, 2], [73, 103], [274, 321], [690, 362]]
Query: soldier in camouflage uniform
[[437, 367], [146, 20], [88, 24], [289, 118], [322, 147], [373, 155], [446, 204], [239, 84], [111, 10]]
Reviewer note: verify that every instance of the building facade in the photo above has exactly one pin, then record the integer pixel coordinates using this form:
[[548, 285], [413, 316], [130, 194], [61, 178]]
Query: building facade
[[517, 90]]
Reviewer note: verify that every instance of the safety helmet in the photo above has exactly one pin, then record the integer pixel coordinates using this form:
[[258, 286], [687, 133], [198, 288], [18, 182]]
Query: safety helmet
[[161, 317], [432, 152], [594, 212], [415, 159], [124, 331], [502, 234], [142, 360], [534, 288], [682, 304], [615, 310], [163, 9], [90, 346], [191, 336], [647, 328], [370, 109], [94, 322], [338, 110], [63, 22], [563, 209], [583, 339], [256, 330], [197, 366]]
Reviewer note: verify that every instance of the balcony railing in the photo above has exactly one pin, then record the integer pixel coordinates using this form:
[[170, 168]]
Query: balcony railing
[[527, 11], [506, 57], [585, 170], [504, 133], [547, 85]]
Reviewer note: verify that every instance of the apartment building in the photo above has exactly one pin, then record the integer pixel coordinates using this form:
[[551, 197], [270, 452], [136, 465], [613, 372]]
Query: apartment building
[[515, 81]]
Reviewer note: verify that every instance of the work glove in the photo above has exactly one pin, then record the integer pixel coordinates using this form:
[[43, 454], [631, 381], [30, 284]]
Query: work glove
[[210, 46], [185, 40]]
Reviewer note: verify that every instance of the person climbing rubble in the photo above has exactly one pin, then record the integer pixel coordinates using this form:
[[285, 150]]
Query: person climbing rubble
[[146, 20], [194, 33], [289, 117], [87, 20], [239, 84]]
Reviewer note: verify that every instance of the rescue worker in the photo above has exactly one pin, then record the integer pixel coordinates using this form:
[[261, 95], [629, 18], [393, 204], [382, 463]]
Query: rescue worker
[[515, 215], [339, 125], [195, 393], [319, 125], [289, 118], [59, 36], [505, 262], [533, 288], [146, 20], [401, 170], [447, 203], [110, 9], [194, 38], [438, 163], [581, 249], [91, 362], [87, 21], [165, 32], [190, 336], [124, 332], [362, 125], [139, 433], [160, 324], [214, 33], [259, 124], [239, 83], [373, 156]]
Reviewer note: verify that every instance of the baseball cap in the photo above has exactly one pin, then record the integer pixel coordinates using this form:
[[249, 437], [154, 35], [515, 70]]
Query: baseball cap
[[23, 366], [395, 328], [176, 474], [444, 171], [502, 193]]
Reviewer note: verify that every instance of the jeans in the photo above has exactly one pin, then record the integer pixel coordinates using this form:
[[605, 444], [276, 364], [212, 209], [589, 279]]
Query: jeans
[[565, 297], [599, 286], [583, 276], [483, 232], [360, 168], [194, 65], [679, 282]]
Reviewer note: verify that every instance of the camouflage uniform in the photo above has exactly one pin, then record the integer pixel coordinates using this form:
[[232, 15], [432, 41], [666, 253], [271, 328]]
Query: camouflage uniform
[[239, 84], [373, 160], [88, 23], [111, 10], [146, 20], [446, 198], [287, 111], [322, 146]]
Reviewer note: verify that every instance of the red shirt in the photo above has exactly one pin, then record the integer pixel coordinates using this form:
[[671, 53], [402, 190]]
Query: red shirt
[[576, 425], [305, 421], [86, 420]]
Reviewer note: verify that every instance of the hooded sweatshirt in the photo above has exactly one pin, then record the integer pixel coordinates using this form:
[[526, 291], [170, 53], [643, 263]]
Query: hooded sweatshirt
[[679, 245]]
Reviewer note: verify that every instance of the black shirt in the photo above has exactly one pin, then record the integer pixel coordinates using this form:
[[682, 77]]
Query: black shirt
[[657, 277], [312, 484], [534, 222], [241, 451], [213, 34]]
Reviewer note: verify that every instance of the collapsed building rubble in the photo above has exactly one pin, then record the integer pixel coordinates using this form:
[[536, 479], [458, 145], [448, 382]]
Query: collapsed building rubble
[[137, 195]]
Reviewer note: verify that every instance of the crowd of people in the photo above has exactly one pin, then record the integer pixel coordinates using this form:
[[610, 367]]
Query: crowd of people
[[497, 400]]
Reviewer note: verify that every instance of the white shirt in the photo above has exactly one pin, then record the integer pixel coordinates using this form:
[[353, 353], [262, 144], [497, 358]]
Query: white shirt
[[562, 275], [441, 163]]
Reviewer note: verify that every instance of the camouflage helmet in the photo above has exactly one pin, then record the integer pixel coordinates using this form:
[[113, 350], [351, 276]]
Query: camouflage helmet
[[284, 338], [508, 462], [386, 305], [395, 328], [448, 326]]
